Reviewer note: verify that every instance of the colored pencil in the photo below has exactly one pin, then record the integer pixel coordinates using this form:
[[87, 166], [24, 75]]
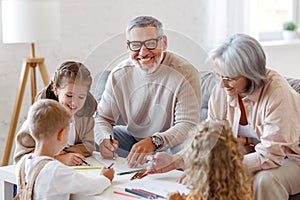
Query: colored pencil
[[110, 165], [86, 163], [145, 193], [142, 175], [130, 172], [139, 194], [87, 167], [112, 142], [138, 175], [153, 193], [124, 194]]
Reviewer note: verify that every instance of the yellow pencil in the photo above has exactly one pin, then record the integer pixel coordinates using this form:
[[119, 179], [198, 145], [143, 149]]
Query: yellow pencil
[[87, 167]]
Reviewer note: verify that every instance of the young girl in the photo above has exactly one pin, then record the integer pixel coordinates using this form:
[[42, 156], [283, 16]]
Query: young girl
[[214, 168], [42, 177], [70, 87]]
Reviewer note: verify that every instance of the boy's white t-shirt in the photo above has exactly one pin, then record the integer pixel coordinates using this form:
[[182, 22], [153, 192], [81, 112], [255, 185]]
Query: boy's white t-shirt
[[57, 181]]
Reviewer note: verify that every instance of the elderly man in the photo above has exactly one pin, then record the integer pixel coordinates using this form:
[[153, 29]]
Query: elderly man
[[151, 100]]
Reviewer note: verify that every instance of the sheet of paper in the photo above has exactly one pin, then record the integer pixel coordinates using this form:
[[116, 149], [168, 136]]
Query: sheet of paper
[[120, 164], [161, 184]]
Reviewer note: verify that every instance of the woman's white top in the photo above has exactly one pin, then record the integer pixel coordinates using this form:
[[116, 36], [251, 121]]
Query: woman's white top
[[247, 131]]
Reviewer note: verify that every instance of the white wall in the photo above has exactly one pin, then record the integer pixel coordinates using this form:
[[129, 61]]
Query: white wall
[[284, 57], [85, 24]]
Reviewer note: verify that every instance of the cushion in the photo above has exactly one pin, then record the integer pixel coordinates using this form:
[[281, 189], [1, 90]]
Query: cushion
[[295, 83], [208, 81], [98, 85]]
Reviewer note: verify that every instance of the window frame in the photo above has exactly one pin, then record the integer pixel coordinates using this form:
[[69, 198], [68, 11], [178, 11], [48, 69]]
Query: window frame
[[271, 36]]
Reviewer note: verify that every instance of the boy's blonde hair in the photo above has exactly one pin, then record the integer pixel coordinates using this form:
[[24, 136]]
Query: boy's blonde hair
[[47, 117], [214, 164]]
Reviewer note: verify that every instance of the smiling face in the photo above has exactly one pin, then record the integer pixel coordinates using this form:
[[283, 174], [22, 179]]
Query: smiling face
[[147, 59], [72, 96], [233, 85]]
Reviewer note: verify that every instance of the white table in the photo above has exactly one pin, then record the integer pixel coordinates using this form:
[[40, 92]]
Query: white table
[[158, 183], [7, 181]]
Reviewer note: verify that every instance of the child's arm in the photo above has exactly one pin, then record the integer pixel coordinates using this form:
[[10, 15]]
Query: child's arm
[[163, 162], [71, 159]]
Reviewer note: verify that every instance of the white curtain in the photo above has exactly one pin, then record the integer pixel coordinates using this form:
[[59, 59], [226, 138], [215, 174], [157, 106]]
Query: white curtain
[[226, 17]]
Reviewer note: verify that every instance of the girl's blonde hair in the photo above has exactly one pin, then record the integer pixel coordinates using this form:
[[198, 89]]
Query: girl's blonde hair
[[75, 73], [214, 164]]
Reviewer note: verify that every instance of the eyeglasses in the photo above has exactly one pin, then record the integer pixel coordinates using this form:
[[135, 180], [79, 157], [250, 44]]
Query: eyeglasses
[[229, 81], [150, 44]]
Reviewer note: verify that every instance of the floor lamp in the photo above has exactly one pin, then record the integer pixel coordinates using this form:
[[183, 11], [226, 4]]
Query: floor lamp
[[28, 21]]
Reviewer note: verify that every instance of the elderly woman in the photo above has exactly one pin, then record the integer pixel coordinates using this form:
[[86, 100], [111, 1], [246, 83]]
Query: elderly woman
[[263, 110]]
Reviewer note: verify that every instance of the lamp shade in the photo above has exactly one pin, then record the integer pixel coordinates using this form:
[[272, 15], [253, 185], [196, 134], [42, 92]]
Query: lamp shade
[[29, 21]]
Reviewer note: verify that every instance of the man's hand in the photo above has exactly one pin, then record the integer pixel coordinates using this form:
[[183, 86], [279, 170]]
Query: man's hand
[[107, 149], [139, 152], [71, 159]]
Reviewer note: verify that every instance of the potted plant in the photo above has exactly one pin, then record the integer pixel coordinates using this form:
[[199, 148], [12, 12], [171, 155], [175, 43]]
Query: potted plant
[[289, 30]]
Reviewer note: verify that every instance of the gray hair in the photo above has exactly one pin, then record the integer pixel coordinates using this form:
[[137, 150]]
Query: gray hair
[[144, 21], [242, 55]]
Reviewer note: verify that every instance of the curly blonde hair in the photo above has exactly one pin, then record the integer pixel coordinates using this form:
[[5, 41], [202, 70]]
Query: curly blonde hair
[[214, 167]]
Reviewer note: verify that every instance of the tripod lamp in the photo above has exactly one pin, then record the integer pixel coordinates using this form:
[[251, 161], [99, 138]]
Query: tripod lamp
[[28, 21]]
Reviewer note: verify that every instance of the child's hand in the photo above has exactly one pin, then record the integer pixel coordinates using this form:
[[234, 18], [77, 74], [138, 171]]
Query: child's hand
[[108, 173], [161, 162], [71, 159], [182, 179], [176, 196]]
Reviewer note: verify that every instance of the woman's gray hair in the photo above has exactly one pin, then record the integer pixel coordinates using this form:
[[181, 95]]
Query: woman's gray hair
[[242, 55], [144, 21]]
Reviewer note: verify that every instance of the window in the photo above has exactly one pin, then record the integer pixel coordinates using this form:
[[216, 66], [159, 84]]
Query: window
[[272, 14]]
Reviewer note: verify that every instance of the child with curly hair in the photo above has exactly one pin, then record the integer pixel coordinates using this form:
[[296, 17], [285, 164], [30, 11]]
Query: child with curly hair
[[214, 168]]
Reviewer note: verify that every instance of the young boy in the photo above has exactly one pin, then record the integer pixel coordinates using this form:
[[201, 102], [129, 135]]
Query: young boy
[[49, 125]]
